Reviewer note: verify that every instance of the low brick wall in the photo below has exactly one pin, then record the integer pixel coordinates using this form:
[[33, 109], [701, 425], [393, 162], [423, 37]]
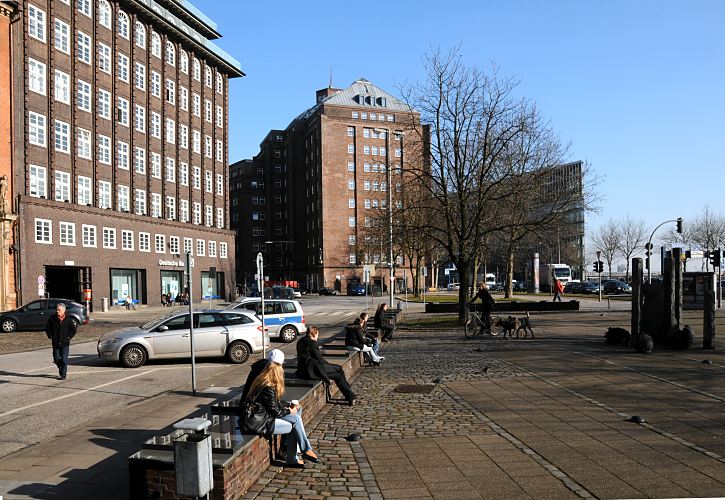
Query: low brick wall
[[152, 474], [513, 306]]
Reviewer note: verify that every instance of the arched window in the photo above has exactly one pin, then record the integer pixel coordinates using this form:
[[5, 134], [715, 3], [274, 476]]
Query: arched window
[[183, 62], [207, 76], [104, 14], [170, 53], [197, 70], [156, 45], [140, 35], [122, 26]]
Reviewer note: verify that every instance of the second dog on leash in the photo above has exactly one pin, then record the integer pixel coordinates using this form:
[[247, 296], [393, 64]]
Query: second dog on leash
[[511, 325]]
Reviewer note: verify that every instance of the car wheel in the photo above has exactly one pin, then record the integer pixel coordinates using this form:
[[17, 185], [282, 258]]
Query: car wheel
[[8, 325], [288, 334], [133, 356], [238, 352], [75, 322]]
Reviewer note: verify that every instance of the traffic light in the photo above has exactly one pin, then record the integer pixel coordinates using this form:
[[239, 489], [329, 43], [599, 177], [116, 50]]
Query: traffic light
[[714, 257], [598, 266], [679, 225]]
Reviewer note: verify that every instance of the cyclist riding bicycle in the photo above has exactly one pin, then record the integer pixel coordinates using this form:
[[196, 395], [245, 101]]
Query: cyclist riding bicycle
[[487, 304]]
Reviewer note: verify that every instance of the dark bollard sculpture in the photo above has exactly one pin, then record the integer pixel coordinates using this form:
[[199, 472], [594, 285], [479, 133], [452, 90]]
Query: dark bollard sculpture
[[637, 275], [708, 324]]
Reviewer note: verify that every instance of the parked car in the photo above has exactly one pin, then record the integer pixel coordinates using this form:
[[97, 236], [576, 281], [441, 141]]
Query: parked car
[[495, 287], [35, 314], [589, 287], [356, 289], [285, 319], [615, 287], [573, 287], [454, 287], [328, 291], [234, 334], [519, 286], [297, 293]]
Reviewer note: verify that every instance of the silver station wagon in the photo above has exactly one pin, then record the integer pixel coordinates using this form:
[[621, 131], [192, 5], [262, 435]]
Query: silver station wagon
[[234, 334]]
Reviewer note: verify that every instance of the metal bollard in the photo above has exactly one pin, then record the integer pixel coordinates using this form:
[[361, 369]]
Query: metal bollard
[[193, 458], [104, 304]]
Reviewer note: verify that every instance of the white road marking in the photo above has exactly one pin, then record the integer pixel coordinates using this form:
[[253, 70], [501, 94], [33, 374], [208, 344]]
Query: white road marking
[[83, 391]]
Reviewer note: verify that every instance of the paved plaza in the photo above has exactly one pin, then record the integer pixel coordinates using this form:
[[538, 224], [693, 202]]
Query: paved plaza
[[447, 417]]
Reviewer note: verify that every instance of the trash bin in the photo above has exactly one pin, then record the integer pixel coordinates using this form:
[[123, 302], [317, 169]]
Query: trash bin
[[193, 459], [104, 304]]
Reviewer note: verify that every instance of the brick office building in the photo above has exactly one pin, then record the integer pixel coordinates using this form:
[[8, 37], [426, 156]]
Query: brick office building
[[308, 200], [120, 137]]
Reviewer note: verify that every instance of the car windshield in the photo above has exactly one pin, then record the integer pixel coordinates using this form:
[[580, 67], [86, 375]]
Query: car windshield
[[156, 321]]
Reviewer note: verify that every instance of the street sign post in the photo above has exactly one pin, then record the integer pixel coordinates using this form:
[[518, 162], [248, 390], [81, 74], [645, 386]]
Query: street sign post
[[191, 321], [260, 286]]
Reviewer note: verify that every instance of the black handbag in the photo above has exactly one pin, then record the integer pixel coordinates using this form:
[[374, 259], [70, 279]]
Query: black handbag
[[252, 416]]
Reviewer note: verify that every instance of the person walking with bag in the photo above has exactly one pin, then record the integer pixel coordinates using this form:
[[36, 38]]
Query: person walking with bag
[[262, 412], [60, 329]]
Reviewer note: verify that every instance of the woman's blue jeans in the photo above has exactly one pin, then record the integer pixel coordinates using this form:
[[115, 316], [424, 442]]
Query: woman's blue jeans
[[296, 436]]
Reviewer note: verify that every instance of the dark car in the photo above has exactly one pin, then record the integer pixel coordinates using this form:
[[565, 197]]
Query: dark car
[[589, 287], [34, 315], [519, 286], [328, 291], [573, 287], [615, 287], [356, 289], [495, 287]]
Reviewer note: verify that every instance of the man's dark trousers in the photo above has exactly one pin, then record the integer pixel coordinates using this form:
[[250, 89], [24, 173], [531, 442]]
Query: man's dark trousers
[[60, 358]]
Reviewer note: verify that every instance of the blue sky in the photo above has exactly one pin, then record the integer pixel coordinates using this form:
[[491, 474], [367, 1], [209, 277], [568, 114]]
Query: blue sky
[[636, 87]]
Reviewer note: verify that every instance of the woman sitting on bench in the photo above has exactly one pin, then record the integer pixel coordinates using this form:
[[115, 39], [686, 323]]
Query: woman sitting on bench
[[355, 341], [383, 323], [311, 365], [275, 416]]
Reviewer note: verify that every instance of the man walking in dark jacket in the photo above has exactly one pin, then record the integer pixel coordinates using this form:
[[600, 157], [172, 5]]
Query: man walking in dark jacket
[[60, 329]]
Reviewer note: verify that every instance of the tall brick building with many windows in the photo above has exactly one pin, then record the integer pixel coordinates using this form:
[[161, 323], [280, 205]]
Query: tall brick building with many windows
[[119, 150], [310, 199]]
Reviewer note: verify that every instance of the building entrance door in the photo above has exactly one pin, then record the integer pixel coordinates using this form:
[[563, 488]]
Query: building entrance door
[[63, 282]]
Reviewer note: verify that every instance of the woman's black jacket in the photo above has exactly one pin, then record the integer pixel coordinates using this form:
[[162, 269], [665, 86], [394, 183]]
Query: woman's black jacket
[[354, 336], [272, 406]]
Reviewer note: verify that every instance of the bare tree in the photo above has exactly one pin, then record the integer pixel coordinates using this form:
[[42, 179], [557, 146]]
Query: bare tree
[[708, 231], [633, 235], [607, 240]]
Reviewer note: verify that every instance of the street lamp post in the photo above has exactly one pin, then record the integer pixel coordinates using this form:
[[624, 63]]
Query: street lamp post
[[649, 244], [390, 207], [260, 286], [599, 272]]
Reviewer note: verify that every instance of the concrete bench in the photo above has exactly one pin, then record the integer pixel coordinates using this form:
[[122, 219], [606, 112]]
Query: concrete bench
[[238, 460]]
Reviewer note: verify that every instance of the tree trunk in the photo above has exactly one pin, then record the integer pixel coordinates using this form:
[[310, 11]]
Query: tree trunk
[[508, 292], [464, 273]]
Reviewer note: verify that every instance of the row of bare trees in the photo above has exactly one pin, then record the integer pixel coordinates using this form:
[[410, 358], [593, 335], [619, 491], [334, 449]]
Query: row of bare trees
[[481, 171]]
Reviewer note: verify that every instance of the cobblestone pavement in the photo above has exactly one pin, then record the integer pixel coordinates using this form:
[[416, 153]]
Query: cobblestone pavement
[[520, 419]]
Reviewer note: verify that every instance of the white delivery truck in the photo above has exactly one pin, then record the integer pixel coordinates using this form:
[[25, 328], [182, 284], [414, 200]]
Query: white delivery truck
[[549, 272]]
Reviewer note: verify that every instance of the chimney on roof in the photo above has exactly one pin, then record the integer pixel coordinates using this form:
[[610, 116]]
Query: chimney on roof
[[324, 93]]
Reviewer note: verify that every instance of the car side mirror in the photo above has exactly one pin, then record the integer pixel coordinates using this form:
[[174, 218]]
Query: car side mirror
[[162, 328]]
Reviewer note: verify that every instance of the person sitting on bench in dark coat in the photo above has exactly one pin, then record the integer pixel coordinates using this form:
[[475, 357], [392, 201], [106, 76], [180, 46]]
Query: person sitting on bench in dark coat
[[313, 366]]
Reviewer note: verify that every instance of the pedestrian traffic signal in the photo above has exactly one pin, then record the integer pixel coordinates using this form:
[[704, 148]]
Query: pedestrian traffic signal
[[679, 225]]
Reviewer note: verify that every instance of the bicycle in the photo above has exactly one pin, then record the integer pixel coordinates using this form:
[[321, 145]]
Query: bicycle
[[476, 325]]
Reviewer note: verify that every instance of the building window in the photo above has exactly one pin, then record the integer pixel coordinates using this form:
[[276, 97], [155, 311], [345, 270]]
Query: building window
[[84, 96], [220, 218], [223, 250], [366, 150], [197, 70], [139, 77], [351, 221], [183, 98], [201, 248], [38, 181], [208, 216], [170, 53], [156, 165], [219, 84], [351, 184], [43, 231], [139, 118], [170, 169], [160, 243], [123, 198], [155, 205], [170, 92], [207, 146], [367, 203], [197, 213], [353, 258], [170, 131], [170, 208], [104, 104], [122, 26], [122, 155], [139, 202], [366, 185], [212, 249], [84, 7], [109, 237], [62, 137], [219, 184], [36, 76], [104, 194], [196, 109], [188, 244], [144, 242], [155, 125], [197, 178], [351, 239], [207, 110], [123, 111], [104, 14], [351, 148], [355, 114], [89, 235], [183, 173], [351, 166], [156, 45], [104, 149], [184, 210], [219, 117], [183, 136], [126, 240], [104, 57], [36, 23], [207, 181], [122, 67], [174, 245], [84, 47], [156, 84], [207, 76], [196, 141], [67, 233], [139, 35], [85, 191], [62, 87], [219, 150], [36, 129], [397, 152], [183, 62], [83, 143]]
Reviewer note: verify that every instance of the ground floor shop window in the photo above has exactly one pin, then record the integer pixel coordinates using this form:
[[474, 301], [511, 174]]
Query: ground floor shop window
[[212, 286], [172, 283], [128, 282]]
